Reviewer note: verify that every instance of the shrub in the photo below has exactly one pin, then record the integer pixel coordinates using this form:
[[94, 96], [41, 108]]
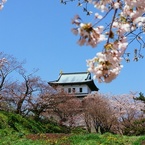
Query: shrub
[[79, 130], [136, 128]]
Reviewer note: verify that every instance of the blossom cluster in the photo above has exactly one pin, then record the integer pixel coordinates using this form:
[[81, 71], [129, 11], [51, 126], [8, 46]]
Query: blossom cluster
[[105, 66], [88, 34], [2, 4], [127, 17]]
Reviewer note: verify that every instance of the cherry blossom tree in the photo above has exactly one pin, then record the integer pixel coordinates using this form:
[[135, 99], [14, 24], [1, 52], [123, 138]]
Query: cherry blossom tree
[[121, 114], [8, 64], [98, 113], [20, 95], [65, 107], [117, 24], [127, 109], [39, 103]]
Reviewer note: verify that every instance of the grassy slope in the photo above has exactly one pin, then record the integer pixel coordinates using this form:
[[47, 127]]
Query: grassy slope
[[13, 129], [10, 123]]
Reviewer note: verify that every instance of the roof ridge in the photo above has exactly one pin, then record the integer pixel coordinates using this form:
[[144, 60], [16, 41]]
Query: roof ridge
[[76, 73]]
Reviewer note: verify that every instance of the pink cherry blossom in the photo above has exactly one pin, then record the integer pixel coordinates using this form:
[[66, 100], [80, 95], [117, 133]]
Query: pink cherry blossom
[[124, 23]]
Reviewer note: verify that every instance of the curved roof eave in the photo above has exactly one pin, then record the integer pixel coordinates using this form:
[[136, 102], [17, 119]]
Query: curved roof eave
[[90, 84]]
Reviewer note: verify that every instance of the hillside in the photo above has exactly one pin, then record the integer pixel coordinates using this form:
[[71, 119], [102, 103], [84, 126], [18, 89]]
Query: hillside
[[10, 123], [18, 130]]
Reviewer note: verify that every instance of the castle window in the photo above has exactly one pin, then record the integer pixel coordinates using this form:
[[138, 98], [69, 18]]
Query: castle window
[[69, 90], [81, 89]]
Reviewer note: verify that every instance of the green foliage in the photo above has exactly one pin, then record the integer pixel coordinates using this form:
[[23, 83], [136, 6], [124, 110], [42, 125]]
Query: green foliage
[[78, 130], [105, 139], [17, 123], [136, 128], [3, 121], [140, 141], [52, 128], [141, 97]]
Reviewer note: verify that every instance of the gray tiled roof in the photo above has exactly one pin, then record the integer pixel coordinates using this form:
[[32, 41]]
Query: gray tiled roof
[[75, 78]]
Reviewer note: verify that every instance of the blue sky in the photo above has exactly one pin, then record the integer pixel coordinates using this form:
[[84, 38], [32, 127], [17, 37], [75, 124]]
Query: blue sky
[[40, 33]]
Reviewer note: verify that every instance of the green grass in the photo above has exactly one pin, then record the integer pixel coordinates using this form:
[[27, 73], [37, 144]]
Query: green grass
[[105, 139], [15, 123], [10, 122], [15, 128], [86, 139]]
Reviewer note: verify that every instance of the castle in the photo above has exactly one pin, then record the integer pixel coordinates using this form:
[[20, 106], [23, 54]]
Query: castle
[[79, 83]]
